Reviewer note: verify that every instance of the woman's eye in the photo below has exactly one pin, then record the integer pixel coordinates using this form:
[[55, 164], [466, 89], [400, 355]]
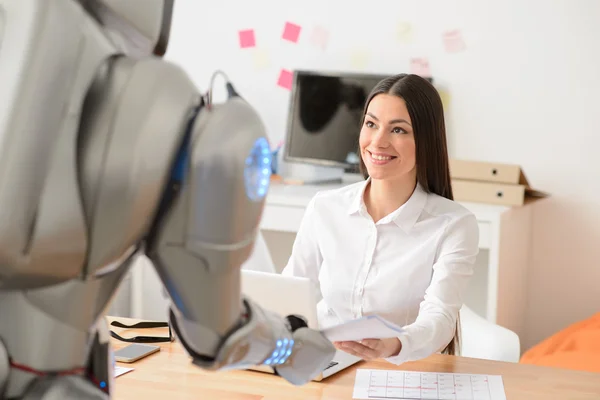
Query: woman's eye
[[369, 124], [398, 130]]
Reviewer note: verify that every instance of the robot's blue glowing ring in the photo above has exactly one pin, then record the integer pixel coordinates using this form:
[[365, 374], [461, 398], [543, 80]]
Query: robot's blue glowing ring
[[257, 173]]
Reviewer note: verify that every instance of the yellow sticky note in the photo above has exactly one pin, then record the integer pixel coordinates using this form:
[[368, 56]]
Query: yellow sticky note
[[445, 96], [404, 32], [261, 59], [359, 59]]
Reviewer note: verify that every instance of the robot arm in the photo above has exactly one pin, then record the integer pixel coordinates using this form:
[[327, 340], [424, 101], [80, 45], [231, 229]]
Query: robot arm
[[204, 230]]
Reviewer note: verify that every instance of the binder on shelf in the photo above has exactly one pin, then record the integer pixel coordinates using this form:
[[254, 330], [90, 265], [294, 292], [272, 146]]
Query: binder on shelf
[[491, 183]]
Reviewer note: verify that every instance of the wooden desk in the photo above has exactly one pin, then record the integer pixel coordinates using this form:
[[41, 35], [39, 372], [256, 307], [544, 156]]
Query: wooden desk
[[170, 375]]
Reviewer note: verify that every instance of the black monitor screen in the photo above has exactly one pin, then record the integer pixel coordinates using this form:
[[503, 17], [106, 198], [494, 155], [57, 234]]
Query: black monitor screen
[[324, 118]]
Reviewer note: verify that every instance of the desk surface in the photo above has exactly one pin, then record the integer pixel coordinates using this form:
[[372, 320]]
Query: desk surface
[[169, 374]]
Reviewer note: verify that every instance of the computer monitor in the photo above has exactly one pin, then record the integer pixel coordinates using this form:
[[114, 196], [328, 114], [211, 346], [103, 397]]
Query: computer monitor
[[324, 117]]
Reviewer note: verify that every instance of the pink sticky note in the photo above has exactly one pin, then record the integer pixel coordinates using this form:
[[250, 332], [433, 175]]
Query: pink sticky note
[[453, 41], [319, 37], [285, 79], [247, 38], [291, 32], [420, 66]]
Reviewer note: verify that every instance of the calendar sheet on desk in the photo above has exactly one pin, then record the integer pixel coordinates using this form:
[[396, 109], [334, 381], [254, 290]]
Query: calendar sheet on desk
[[412, 385]]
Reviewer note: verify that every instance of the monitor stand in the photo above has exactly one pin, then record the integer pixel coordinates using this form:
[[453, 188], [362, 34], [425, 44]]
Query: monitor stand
[[307, 174]]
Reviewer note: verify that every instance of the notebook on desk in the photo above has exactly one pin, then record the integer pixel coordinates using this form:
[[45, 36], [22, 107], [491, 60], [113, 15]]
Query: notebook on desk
[[286, 295]]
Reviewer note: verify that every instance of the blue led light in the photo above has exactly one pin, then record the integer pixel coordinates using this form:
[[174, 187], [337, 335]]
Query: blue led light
[[283, 350], [102, 384], [257, 173]]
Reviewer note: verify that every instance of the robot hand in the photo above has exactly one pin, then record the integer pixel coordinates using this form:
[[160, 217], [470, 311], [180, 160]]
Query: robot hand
[[262, 339]]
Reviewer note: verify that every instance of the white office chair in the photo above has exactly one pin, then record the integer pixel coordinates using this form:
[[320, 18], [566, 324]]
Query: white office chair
[[485, 340]]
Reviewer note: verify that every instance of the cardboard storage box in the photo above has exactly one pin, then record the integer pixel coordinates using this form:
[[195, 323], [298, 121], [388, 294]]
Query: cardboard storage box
[[491, 183]]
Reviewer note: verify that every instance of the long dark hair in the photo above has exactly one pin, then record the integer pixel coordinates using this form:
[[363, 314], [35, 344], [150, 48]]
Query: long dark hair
[[426, 112]]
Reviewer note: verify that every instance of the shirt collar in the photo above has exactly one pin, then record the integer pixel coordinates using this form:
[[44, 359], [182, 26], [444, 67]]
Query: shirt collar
[[357, 203], [405, 216]]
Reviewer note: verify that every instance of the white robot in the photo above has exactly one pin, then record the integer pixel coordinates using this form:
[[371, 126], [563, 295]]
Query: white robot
[[108, 150]]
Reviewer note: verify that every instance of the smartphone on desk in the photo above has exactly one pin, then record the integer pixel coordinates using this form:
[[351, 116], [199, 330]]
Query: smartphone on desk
[[134, 352]]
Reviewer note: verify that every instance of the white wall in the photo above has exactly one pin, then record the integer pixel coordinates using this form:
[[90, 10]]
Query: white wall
[[525, 91]]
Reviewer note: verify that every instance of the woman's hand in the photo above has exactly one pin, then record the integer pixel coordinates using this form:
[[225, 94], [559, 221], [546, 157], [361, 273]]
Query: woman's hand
[[371, 349]]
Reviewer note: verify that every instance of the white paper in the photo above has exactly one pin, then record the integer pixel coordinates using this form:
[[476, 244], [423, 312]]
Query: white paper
[[381, 384], [121, 370], [371, 327]]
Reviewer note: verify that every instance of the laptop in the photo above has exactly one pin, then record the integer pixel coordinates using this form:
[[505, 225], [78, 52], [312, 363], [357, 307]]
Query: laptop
[[287, 295]]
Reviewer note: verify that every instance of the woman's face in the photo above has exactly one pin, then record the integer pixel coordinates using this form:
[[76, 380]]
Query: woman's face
[[387, 142]]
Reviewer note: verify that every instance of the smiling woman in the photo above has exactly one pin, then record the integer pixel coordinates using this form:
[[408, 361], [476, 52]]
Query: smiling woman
[[409, 249], [396, 108], [394, 157]]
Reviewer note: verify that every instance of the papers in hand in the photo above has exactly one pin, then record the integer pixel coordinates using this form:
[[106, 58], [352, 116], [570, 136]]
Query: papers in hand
[[371, 327]]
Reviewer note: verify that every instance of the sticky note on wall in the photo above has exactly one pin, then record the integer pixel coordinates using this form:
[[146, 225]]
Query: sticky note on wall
[[285, 79], [359, 59], [247, 38], [445, 97], [291, 32], [420, 66], [453, 41], [261, 58], [404, 32], [319, 37]]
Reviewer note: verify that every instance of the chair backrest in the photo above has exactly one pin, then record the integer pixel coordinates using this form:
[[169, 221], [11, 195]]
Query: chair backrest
[[483, 339]]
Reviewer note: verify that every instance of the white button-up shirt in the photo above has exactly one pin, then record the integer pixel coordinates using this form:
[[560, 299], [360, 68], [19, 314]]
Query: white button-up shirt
[[411, 267]]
